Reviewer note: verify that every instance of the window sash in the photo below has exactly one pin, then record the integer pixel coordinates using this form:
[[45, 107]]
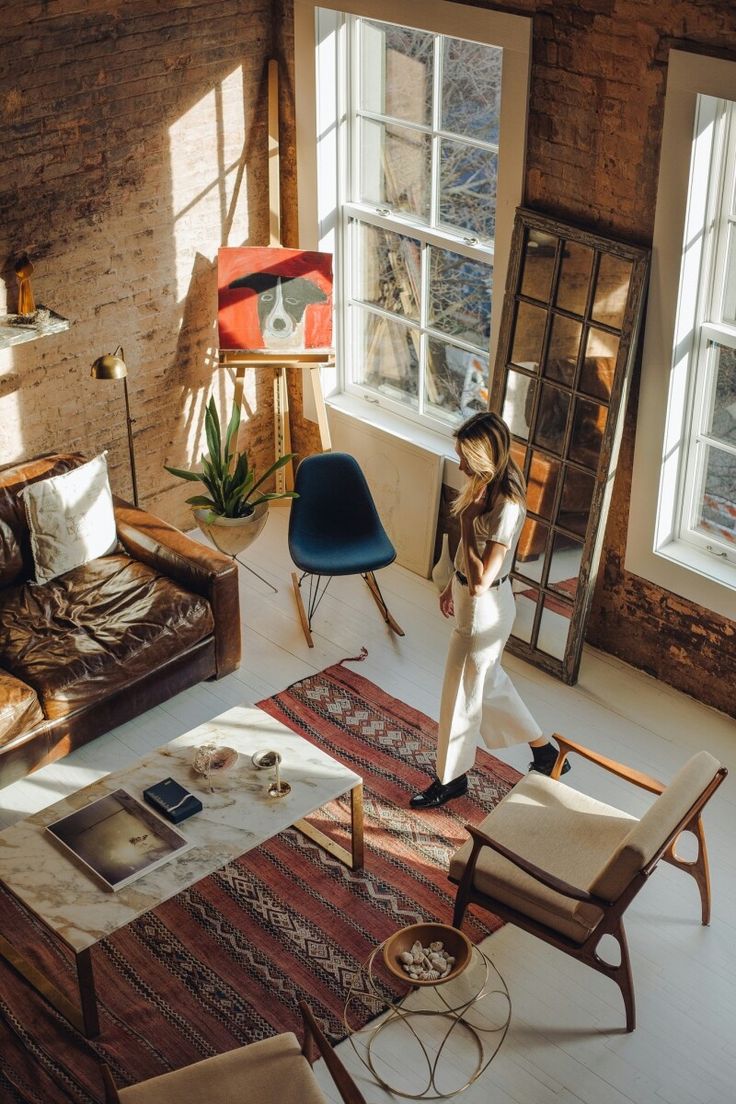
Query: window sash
[[709, 331], [432, 233]]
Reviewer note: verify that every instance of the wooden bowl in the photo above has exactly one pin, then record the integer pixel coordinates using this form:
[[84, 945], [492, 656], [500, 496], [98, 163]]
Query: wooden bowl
[[455, 942]]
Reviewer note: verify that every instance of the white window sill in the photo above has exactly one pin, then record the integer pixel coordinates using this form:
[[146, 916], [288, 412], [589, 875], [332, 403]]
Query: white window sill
[[377, 416]]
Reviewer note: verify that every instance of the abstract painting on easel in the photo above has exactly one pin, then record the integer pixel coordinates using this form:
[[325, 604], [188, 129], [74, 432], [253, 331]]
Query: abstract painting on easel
[[273, 299]]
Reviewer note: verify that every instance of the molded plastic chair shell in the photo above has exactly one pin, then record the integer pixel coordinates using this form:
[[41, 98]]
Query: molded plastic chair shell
[[334, 527]]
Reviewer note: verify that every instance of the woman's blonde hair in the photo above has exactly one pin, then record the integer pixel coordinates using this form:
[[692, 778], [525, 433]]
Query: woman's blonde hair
[[484, 442]]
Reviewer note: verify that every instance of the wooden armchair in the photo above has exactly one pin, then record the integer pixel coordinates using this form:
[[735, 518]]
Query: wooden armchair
[[565, 867], [272, 1071]]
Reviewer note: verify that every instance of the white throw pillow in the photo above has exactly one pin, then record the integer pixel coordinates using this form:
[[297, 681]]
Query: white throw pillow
[[70, 518]]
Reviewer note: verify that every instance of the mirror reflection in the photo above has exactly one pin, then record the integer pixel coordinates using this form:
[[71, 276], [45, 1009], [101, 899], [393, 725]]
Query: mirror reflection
[[574, 285], [562, 351], [539, 263], [551, 419], [529, 333]]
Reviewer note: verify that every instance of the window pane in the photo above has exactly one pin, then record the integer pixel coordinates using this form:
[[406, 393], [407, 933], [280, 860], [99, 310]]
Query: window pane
[[471, 89], [468, 188], [386, 356], [528, 335], [460, 296], [572, 291], [397, 65], [518, 403], [457, 381], [387, 270], [526, 606], [554, 626], [395, 168], [611, 290], [589, 422], [729, 290], [541, 485], [552, 414], [722, 415], [562, 354], [539, 262], [717, 507]]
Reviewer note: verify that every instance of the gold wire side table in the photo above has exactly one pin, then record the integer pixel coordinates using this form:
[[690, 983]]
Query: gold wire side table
[[433, 1015]]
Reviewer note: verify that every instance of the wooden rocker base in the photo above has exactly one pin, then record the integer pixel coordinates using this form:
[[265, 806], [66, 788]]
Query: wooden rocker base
[[377, 597]]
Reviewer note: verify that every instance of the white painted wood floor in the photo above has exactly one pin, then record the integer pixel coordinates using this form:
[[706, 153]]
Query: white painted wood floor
[[566, 1043]]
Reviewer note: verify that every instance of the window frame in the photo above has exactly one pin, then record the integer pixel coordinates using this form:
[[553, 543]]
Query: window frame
[[655, 549], [318, 135]]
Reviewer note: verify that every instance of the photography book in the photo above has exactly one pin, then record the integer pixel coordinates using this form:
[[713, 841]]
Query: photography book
[[172, 800], [117, 839]]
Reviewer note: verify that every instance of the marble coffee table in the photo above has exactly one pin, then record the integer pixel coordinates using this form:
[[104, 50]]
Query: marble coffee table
[[237, 817]]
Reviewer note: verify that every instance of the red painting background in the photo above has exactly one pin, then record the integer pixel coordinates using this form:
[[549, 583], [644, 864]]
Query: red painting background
[[237, 308]]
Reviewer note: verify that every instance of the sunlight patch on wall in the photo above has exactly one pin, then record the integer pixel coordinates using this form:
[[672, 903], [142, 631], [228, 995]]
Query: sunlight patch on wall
[[209, 190]]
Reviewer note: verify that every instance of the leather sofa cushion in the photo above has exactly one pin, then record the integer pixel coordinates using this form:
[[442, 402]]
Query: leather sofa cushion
[[19, 708], [96, 629]]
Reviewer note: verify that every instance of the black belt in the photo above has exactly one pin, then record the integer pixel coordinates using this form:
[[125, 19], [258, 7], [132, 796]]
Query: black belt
[[496, 582]]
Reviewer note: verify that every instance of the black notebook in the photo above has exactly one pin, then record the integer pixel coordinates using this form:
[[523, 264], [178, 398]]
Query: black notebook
[[172, 800]]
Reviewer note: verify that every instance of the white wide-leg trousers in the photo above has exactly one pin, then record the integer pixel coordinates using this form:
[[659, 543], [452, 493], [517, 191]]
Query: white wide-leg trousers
[[478, 697]]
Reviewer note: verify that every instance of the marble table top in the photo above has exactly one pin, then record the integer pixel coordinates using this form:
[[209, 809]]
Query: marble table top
[[237, 817]]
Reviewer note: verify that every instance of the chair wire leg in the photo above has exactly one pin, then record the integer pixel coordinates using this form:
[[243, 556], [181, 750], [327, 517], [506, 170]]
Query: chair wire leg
[[380, 601], [314, 597]]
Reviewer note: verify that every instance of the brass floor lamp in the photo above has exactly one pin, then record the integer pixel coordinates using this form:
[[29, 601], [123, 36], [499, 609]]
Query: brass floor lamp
[[112, 367]]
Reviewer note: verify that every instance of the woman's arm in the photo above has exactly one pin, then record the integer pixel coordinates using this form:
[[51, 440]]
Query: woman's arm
[[482, 567]]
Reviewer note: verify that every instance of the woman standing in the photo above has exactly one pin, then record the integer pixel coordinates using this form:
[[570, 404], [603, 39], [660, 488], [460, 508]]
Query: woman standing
[[477, 695]]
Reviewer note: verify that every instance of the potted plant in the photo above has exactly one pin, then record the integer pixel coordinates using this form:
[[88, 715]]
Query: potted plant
[[233, 512]]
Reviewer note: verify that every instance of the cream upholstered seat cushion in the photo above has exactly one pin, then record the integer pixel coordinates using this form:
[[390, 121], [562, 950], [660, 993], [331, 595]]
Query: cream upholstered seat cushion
[[659, 821], [565, 833], [273, 1071]]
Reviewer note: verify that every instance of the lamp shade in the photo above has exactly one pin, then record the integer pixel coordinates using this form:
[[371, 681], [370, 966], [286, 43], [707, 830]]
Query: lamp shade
[[110, 366]]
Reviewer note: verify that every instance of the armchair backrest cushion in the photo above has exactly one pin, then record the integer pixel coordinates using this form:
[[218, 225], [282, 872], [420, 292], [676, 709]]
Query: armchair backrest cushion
[[16, 559], [649, 834]]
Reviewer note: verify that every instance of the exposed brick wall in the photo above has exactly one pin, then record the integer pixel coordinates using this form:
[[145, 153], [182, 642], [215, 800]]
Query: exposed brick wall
[[134, 144]]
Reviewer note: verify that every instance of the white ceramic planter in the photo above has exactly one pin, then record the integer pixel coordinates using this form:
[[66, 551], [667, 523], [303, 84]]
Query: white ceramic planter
[[232, 535]]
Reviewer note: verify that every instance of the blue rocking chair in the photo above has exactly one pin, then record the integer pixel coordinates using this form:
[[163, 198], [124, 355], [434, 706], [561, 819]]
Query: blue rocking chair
[[334, 529]]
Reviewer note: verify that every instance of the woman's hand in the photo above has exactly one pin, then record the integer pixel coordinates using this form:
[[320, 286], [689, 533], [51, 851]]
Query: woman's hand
[[447, 605]]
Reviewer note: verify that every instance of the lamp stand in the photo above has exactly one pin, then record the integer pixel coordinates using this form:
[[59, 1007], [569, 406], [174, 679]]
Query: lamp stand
[[130, 422]]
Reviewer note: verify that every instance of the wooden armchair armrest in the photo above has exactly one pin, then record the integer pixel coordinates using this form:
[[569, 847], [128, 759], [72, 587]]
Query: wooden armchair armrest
[[343, 1081], [549, 880], [628, 773]]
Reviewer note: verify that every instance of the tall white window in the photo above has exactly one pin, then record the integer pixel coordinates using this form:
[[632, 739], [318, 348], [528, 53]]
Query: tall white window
[[708, 486], [682, 518], [415, 188]]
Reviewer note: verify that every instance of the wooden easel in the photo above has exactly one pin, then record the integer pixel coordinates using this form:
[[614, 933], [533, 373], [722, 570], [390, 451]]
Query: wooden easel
[[279, 361]]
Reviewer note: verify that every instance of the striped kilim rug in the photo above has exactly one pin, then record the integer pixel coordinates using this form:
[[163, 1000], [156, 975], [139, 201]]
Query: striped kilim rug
[[226, 962]]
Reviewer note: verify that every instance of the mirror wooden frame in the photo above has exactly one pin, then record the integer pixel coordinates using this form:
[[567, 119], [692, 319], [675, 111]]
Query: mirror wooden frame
[[603, 312]]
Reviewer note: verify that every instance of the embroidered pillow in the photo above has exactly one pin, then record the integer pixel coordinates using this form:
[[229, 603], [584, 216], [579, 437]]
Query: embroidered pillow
[[70, 518]]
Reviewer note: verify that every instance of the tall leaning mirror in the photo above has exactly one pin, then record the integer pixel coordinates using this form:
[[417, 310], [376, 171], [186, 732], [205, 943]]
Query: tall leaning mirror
[[569, 329]]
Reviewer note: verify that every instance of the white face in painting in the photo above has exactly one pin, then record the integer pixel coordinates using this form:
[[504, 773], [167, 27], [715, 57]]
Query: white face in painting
[[282, 317]]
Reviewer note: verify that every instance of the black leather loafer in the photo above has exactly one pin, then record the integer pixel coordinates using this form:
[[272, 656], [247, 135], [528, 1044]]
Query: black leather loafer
[[437, 793]]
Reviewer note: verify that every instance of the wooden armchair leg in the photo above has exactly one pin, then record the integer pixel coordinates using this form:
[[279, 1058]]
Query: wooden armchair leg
[[621, 974], [697, 868]]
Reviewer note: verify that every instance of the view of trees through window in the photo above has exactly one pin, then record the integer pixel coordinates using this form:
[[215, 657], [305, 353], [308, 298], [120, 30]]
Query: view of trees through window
[[419, 217]]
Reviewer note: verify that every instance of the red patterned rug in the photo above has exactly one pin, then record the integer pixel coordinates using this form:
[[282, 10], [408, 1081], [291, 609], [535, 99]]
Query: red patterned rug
[[226, 962]]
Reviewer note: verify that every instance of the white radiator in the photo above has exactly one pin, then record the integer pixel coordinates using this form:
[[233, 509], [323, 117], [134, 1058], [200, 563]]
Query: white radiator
[[404, 479]]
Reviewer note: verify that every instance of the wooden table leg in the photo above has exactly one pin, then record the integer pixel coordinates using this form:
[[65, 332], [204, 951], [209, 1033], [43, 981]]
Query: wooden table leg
[[87, 994], [356, 826], [85, 1021], [354, 857]]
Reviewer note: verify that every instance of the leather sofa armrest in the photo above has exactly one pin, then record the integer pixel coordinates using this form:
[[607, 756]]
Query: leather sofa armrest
[[192, 565]]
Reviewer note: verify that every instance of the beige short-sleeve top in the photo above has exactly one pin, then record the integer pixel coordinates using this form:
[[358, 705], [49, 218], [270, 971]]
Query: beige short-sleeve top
[[502, 524]]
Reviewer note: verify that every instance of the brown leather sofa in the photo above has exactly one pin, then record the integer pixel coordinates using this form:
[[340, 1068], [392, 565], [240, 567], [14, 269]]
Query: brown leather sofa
[[108, 640]]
